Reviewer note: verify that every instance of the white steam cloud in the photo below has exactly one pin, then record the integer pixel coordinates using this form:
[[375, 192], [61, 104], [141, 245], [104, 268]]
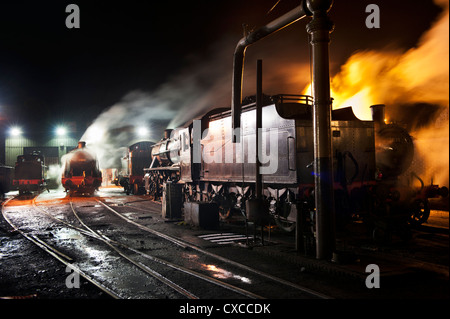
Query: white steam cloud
[[198, 88]]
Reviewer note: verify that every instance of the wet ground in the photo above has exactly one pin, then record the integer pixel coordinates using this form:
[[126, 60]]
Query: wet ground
[[418, 269]]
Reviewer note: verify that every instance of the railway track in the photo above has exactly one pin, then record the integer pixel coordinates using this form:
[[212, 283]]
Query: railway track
[[54, 252], [168, 274], [227, 261]]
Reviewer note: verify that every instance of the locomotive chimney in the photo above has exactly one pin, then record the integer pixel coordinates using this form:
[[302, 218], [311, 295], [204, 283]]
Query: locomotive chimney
[[81, 144], [378, 115], [167, 133]]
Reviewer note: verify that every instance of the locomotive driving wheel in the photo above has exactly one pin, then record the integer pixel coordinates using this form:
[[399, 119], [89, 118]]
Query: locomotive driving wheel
[[281, 210], [420, 212], [226, 205]]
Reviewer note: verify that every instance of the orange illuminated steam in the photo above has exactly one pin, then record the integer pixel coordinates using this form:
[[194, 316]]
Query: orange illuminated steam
[[419, 75]]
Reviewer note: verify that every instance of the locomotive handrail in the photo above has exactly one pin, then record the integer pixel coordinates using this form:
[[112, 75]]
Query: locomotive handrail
[[164, 168], [284, 98]]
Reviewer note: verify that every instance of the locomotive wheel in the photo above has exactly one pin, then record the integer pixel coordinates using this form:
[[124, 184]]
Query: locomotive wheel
[[152, 188], [420, 212], [224, 213]]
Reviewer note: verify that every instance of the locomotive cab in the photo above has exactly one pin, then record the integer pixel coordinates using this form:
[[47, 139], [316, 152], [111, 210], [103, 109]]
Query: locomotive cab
[[29, 175]]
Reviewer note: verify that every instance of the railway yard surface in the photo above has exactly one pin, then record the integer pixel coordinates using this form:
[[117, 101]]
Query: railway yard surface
[[123, 248]]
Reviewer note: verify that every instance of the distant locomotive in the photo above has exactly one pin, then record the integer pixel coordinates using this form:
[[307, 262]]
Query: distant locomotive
[[81, 173], [211, 168], [138, 158], [6, 180], [29, 173]]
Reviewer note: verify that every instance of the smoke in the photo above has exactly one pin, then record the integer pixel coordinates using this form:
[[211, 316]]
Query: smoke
[[411, 83], [119, 126], [204, 84], [54, 173], [432, 144], [394, 77], [201, 86], [414, 85]]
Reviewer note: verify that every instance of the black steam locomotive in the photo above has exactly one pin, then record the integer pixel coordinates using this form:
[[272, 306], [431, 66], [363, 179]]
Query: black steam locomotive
[[368, 158], [81, 173], [138, 158], [29, 173]]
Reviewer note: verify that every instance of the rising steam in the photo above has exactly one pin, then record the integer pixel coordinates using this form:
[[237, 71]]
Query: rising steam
[[409, 83], [201, 86], [414, 85]]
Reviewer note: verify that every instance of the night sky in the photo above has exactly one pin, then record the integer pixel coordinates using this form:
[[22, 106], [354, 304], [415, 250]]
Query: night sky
[[51, 74]]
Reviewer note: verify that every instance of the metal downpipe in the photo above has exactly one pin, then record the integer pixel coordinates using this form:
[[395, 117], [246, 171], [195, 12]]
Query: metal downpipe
[[239, 56], [320, 28]]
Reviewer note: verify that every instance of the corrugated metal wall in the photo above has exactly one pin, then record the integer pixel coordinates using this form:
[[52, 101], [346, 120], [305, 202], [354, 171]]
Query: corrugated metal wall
[[52, 148], [14, 147]]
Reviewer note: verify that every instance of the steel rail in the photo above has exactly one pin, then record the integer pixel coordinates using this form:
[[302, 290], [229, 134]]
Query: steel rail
[[141, 266], [61, 257], [193, 273], [102, 237], [152, 231], [107, 241], [185, 245]]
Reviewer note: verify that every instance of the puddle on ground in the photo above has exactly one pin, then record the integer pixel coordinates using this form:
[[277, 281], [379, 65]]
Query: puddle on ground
[[215, 271], [66, 233], [221, 273]]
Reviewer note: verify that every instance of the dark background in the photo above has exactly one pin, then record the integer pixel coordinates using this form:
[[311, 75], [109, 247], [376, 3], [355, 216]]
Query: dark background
[[51, 74]]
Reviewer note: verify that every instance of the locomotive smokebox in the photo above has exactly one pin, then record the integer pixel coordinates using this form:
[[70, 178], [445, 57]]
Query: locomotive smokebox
[[378, 115], [81, 144]]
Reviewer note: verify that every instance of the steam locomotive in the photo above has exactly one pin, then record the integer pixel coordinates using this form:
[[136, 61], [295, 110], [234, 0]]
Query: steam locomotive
[[29, 173], [368, 158], [6, 180], [81, 173], [138, 158]]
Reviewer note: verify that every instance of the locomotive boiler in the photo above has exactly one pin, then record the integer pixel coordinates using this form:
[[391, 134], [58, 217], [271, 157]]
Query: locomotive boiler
[[368, 157], [395, 198], [29, 173], [211, 168], [81, 173]]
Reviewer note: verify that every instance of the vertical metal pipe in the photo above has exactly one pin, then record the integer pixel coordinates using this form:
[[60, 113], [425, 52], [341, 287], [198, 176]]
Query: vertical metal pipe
[[320, 28], [378, 116], [259, 102], [258, 180], [298, 232]]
